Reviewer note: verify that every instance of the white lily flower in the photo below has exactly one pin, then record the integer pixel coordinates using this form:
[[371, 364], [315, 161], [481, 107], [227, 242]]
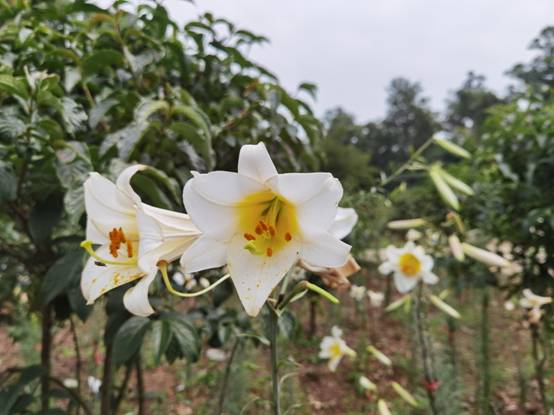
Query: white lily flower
[[534, 302], [376, 298], [334, 348], [357, 292], [344, 222], [409, 264], [133, 237], [260, 223]]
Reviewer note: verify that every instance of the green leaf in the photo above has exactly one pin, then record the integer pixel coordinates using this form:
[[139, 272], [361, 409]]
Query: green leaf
[[185, 336], [65, 272], [101, 59], [129, 337], [200, 144], [100, 110], [11, 125], [13, 398], [73, 115], [14, 86], [162, 337], [310, 88]]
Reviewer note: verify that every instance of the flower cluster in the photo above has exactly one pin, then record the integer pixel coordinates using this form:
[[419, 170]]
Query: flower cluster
[[256, 222]]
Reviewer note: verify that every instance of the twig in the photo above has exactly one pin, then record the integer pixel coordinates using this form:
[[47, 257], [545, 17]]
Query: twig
[[539, 365], [77, 356], [273, 331], [46, 346], [140, 387], [122, 388], [404, 166]]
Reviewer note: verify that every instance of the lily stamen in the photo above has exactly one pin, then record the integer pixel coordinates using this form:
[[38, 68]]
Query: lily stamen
[[87, 246], [162, 265]]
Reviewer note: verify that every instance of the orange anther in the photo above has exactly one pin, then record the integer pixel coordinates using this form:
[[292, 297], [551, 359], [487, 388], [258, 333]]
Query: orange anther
[[122, 236], [129, 249], [259, 230], [271, 230], [269, 252], [288, 237], [263, 225], [249, 237]]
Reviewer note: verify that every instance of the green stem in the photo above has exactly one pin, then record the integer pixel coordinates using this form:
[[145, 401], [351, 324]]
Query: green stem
[[485, 358], [425, 347], [226, 376], [273, 331], [403, 167]]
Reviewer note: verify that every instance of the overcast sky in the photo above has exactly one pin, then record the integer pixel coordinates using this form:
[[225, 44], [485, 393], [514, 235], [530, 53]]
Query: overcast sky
[[352, 48]]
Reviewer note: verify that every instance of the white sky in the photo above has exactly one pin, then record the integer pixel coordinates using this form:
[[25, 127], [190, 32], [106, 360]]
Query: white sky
[[352, 48]]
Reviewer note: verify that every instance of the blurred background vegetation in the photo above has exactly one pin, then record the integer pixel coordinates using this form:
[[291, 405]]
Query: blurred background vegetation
[[89, 89]]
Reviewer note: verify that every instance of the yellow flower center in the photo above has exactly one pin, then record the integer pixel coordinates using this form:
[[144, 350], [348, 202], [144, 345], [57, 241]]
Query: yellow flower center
[[409, 264], [267, 221], [335, 350]]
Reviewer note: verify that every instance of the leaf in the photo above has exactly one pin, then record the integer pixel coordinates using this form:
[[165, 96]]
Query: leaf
[[310, 88], [129, 337], [194, 139], [101, 59], [73, 115], [162, 338], [8, 183], [185, 336], [287, 324], [13, 398], [71, 78], [44, 216], [14, 86], [11, 125], [100, 110], [65, 272]]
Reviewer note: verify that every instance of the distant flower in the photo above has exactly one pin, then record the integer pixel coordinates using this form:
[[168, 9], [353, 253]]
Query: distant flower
[[367, 384], [509, 306], [409, 264], [534, 302], [260, 223], [94, 384], [217, 355], [334, 348], [376, 298], [204, 282], [357, 292], [179, 278]]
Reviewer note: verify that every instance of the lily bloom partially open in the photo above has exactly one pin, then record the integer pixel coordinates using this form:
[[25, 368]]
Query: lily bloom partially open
[[334, 348], [260, 223], [534, 302], [409, 264], [133, 238]]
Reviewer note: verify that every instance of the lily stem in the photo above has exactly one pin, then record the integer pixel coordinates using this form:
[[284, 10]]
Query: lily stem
[[226, 376], [430, 379], [539, 364], [273, 331]]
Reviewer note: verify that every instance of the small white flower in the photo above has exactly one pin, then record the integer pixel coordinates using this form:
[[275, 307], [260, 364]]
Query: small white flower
[[509, 306], [217, 355], [376, 298], [190, 284], [260, 223], [94, 384], [534, 302], [409, 264], [334, 348], [357, 292], [178, 278], [204, 282]]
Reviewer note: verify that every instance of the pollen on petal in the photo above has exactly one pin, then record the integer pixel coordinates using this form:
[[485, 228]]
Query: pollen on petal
[[288, 237], [129, 249], [269, 252]]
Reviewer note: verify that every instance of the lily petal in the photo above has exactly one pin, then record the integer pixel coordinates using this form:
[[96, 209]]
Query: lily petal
[[204, 253], [429, 278], [320, 211], [225, 188], [345, 220], [124, 181], [299, 187], [404, 284], [211, 218], [136, 298], [96, 280], [321, 249], [254, 162], [255, 276]]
